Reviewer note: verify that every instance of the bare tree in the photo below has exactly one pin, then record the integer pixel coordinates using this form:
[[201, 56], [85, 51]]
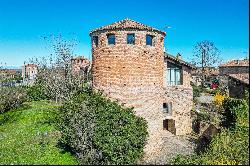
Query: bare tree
[[55, 71], [206, 56]]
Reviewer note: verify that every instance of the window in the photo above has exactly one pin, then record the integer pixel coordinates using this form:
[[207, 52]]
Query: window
[[130, 38], [149, 40], [111, 38], [95, 39], [167, 108], [174, 74]]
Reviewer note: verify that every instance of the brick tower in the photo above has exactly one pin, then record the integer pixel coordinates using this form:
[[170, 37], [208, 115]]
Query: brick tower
[[128, 64]]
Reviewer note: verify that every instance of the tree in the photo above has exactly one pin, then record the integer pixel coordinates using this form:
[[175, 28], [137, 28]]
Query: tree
[[55, 72], [206, 56]]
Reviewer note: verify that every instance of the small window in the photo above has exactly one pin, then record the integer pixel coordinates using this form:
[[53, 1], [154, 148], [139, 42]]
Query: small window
[[131, 38], [95, 40], [149, 40], [167, 108], [111, 39]]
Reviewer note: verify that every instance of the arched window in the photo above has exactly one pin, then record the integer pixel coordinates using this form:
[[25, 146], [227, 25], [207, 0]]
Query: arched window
[[111, 38]]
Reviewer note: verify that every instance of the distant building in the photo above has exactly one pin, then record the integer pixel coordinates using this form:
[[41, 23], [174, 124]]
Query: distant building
[[29, 71], [238, 84], [80, 65], [234, 67], [8, 72]]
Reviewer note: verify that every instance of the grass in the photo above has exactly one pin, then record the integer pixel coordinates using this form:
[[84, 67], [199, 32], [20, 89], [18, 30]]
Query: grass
[[28, 136]]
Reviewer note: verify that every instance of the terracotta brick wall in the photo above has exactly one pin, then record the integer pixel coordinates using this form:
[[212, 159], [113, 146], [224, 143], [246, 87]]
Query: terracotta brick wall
[[132, 74]]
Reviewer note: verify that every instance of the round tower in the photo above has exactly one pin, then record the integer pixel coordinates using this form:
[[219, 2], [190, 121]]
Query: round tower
[[128, 65]]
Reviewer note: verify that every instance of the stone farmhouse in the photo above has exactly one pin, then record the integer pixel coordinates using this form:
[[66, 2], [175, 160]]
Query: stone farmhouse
[[129, 65], [80, 65], [237, 72]]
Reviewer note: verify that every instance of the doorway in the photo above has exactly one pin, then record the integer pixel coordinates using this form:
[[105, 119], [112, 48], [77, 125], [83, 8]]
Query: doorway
[[169, 124]]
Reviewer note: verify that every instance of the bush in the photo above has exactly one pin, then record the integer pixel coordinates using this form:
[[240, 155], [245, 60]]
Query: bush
[[231, 146], [36, 93], [11, 97], [100, 131], [196, 91]]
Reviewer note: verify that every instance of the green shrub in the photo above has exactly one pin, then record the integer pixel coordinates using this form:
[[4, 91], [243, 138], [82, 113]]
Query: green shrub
[[36, 93], [11, 97], [100, 131], [231, 146], [196, 91]]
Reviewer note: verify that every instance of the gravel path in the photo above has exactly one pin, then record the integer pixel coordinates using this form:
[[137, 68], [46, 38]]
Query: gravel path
[[205, 99], [173, 145]]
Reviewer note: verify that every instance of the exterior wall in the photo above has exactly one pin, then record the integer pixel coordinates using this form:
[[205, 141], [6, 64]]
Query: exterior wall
[[181, 97], [133, 74], [29, 72], [78, 64], [233, 69], [237, 88]]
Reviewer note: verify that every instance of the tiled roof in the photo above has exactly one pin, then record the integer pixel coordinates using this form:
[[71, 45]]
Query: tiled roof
[[30, 65], [168, 56], [126, 24], [79, 57], [9, 71], [244, 62], [241, 77]]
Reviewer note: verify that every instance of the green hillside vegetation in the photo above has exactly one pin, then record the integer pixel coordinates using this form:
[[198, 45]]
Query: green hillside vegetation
[[28, 136], [231, 146]]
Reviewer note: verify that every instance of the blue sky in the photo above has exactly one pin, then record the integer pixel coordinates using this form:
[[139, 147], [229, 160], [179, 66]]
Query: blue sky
[[24, 22]]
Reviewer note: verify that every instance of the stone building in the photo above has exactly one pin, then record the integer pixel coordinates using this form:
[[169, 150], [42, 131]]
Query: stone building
[[238, 84], [129, 65], [234, 67], [80, 65], [178, 94], [29, 71]]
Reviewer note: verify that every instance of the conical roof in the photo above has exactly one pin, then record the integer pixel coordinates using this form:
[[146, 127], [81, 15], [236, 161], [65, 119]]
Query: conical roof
[[127, 24]]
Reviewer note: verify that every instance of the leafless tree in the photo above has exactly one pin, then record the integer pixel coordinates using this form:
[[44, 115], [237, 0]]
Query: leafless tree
[[55, 71], [206, 56]]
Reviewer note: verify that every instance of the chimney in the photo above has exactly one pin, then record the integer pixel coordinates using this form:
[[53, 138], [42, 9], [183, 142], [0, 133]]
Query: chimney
[[178, 56]]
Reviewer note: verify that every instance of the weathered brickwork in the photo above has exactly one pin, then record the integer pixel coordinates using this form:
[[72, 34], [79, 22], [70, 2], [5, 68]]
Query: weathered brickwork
[[79, 63], [133, 74], [234, 67]]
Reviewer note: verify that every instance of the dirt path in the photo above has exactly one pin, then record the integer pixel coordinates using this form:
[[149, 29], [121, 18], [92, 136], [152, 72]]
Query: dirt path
[[172, 146]]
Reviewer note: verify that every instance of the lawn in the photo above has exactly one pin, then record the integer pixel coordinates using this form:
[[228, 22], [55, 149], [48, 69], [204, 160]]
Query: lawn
[[28, 136]]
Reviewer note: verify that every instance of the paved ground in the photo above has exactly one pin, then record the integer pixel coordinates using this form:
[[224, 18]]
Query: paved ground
[[205, 99], [173, 145]]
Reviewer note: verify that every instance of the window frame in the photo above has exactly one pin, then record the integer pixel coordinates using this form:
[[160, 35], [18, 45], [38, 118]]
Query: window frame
[[173, 79], [151, 38], [95, 41], [109, 39], [133, 39]]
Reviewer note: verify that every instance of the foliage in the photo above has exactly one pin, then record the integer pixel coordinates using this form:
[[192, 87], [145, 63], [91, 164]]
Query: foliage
[[101, 131], [197, 90], [36, 93], [218, 99], [231, 146], [55, 74], [28, 136], [11, 97]]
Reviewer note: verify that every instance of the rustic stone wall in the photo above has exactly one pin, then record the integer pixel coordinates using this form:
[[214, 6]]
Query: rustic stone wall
[[78, 64], [182, 103], [132, 74], [233, 69]]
